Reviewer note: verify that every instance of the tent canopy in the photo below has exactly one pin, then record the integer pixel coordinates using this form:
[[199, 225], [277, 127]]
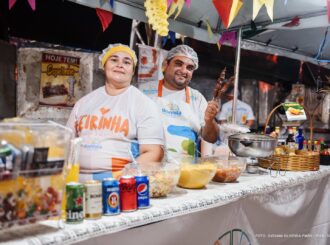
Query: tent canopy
[[302, 41]]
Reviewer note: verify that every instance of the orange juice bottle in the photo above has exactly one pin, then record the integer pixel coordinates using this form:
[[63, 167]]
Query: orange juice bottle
[[72, 169]]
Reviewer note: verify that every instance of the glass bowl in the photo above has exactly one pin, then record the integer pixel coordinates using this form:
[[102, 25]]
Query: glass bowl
[[162, 178], [229, 168], [197, 175]]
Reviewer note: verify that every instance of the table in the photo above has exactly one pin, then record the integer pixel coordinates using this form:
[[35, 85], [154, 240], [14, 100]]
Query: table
[[259, 209]]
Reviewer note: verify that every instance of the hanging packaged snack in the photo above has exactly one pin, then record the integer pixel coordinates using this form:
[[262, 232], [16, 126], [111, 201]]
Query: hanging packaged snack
[[294, 111]]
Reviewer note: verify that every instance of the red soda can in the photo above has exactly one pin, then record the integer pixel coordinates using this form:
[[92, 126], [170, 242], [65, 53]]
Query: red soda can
[[128, 194]]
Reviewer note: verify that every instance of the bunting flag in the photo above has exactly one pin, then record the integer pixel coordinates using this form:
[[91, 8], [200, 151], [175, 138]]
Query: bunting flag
[[169, 2], [228, 10], [171, 36], [105, 18], [228, 37], [218, 43], [294, 22], [235, 7], [102, 2], [176, 6], [209, 29], [11, 3], [257, 4], [328, 10], [188, 3], [32, 4]]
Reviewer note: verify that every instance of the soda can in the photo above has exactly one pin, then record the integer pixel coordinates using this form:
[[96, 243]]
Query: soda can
[[75, 202], [93, 201], [110, 196], [142, 187], [128, 195]]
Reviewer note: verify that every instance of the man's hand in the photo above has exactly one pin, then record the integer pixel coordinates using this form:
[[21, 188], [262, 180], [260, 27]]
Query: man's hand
[[210, 131], [211, 111]]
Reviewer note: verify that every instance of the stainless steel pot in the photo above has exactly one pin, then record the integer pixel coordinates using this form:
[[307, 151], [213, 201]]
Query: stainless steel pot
[[252, 145]]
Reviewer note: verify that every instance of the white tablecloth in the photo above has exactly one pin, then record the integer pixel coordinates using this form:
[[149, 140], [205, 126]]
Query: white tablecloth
[[289, 209]]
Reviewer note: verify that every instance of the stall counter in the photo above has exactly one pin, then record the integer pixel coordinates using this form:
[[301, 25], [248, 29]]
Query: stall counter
[[273, 208]]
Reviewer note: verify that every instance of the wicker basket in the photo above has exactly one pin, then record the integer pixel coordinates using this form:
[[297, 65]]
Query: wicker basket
[[292, 163], [310, 162]]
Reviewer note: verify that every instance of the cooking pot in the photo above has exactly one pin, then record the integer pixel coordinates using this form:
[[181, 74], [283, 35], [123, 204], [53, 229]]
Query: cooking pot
[[252, 145]]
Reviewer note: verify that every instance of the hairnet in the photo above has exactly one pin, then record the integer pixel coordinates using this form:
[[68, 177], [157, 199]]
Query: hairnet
[[183, 50], [113, 48]]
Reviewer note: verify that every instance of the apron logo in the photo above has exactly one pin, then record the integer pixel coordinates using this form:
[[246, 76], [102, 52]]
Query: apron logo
[[171, 110]]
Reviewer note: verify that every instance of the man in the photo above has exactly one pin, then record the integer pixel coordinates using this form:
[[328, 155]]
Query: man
[[116, 119], [185, 113], [244, 113]]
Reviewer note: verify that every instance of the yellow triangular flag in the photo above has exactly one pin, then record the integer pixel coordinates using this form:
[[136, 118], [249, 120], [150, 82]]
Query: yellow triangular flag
[[219, 45], [270, 8], [209, 29], [172, 9], [180, 6], [176, 7], [257, 4], [235, 7]]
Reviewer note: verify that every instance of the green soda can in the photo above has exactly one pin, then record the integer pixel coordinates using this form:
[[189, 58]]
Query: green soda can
[[75, 202]]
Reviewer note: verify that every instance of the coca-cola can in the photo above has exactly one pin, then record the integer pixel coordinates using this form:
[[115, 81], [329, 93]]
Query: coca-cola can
[[128, 194]]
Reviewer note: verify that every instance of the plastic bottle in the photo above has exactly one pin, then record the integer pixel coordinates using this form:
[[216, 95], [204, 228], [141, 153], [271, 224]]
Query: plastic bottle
[[305, 148], [317, 146], [300, 139], [310, 147], [280, 136]]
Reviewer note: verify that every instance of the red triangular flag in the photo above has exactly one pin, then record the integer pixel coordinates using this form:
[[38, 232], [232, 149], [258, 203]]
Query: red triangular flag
[[105, 17], [32, 4], [223, 7], [11, 3], [294, 22]]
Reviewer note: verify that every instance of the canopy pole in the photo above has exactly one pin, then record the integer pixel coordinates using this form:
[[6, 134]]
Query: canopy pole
[[135, 31], [237, 63]]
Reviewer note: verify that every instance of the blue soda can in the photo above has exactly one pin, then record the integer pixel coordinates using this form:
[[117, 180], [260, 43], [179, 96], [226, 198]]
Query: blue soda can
[[142, 187], [110, 196]]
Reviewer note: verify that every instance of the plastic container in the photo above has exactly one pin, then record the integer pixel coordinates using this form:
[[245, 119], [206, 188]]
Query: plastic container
[[33, 156], [197, 174], [229, 168], [162, 177]]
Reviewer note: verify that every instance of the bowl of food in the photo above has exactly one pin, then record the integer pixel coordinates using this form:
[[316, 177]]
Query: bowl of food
[[162, 178], [229, 168], [197, 174]]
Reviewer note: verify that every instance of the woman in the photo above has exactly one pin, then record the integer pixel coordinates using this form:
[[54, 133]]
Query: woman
[[116, 120]]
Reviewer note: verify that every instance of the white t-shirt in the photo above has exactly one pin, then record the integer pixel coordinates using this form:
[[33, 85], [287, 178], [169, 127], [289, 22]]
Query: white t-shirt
[[111, 126], [182, 121], [243, 110]]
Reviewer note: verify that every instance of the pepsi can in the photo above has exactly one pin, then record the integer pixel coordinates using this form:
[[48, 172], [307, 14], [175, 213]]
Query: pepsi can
[[110, 196], [142, 188]]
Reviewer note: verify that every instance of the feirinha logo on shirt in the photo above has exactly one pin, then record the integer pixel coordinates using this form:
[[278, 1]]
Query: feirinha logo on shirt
[[171, 110], [115, 123]]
